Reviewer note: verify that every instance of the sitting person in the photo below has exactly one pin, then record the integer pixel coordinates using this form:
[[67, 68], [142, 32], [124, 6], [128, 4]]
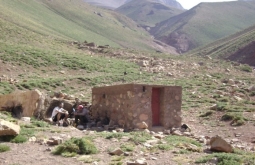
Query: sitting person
[[59, 113], [82, 115]]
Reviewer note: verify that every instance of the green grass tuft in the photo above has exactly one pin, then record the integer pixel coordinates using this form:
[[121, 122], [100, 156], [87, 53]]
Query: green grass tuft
[[75, 146], [4, 148], [19, 139]]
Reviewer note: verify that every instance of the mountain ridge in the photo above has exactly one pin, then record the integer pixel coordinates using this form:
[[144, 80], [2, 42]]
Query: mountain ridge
[[205, 23], [113, 4], [147, 13]]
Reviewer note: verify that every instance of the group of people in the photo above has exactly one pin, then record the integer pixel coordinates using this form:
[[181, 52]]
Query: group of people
[[80, 113]]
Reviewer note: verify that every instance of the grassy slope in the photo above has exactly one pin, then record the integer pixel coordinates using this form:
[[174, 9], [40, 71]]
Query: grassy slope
[[238, 47], [208, 22], [74, 20], [148, 13]]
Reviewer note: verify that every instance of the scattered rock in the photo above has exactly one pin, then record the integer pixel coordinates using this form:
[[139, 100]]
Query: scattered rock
[[208, 57], [214, 107], [41, 141], [213, 161], [137, 162], [158, 136], [219, 144], [127, 154], [147, 131], [237, 134], [185, 127], [32, 139], [251, 88], [234, 141], [192, 147], [80, 127], [119, 130], [8, 128], [186, 133], [177, 133], [62, 72], [238, 98], [143, 125], [116, 151], [167, 132], [26, 119], [143, 63], [55, 140], [231, 81]]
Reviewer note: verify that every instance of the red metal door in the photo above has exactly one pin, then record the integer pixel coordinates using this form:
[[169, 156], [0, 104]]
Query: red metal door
[[155, 106]]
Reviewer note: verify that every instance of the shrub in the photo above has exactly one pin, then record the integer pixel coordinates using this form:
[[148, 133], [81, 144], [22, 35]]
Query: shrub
[[40, 124], [128, 147], [4, 148], [88, 159], [227, 117], [176, 140], [165, 147], [140, 137], [223, 159], [209, 113], [223, 99], [183, 151], [246, 68], [252, 93], [19, 139], [75, 146]]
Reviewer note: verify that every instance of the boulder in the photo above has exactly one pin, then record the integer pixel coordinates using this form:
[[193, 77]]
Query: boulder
[[251, 88], [116, 151], [219, 144], [8, 128], [23, 103]]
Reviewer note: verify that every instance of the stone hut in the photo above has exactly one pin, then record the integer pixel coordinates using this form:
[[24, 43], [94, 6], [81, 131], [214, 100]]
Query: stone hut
[[131, 104]]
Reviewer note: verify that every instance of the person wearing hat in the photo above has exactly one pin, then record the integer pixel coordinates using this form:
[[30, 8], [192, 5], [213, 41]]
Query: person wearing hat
[[81, 114]]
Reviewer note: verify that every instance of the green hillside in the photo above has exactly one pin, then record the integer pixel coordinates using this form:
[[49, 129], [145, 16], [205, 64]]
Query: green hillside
[[148, 13], [74, 20], [239, 47], [205, 23]]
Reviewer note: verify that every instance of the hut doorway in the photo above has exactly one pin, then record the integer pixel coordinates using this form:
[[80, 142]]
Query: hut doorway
[[155, 106]]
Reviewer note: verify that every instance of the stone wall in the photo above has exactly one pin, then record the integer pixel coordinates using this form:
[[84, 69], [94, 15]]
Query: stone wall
[[113, 103], [130, 105]]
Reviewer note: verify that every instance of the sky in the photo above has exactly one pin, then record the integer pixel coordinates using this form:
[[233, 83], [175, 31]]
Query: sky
[[187, 4]]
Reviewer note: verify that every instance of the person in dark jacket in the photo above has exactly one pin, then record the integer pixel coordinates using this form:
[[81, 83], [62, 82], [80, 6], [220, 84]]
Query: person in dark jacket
[[82, 115]]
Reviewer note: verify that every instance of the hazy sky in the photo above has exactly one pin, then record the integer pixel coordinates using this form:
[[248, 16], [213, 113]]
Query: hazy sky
[[187, 4]]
